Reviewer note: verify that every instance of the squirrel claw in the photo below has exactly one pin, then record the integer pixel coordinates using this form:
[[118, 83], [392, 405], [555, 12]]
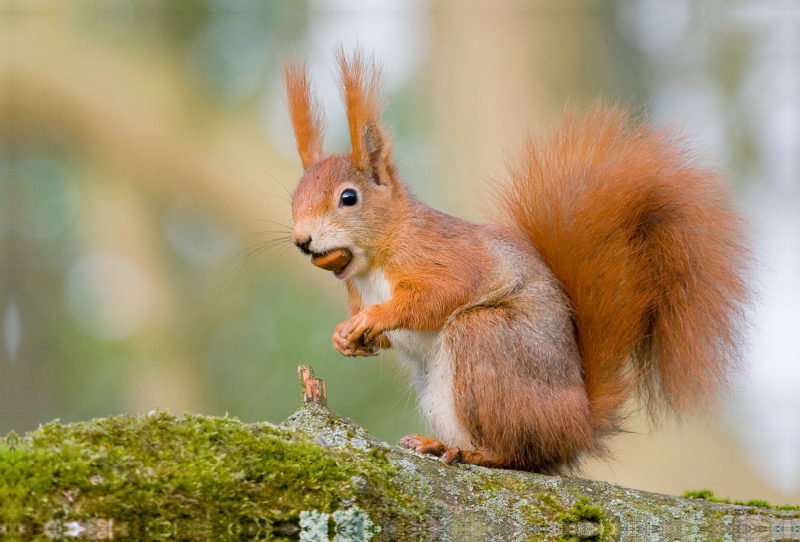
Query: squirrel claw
[[453, 455]]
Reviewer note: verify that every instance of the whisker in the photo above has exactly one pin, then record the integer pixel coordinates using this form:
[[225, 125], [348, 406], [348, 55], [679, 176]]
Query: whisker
[[277, 241], [294, 261], [274, 178], [270, 222], [277, 196], [259, 248], [278, 257], [265, 232], [264, 248], [250, 252]]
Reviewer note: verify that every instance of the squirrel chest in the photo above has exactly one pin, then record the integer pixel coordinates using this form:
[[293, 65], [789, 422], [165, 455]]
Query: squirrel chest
[[420, 351]]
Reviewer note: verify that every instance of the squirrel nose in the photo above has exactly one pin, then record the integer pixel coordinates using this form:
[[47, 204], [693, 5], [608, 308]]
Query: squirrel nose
[[303, 244]]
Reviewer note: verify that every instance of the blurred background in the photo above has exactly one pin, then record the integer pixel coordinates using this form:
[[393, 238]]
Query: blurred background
[[146, 162]]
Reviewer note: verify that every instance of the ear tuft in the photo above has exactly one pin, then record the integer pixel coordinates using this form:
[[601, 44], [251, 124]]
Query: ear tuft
[[361, 83], [305, 112]]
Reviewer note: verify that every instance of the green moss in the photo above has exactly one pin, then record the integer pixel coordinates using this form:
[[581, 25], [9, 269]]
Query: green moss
[[578, 515], [160, 477], [708, 495], [581, 521], [703, 494], [756, 502], [587, 512]]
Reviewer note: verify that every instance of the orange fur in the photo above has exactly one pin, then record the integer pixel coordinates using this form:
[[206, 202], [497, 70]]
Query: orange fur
[[620, 268], [305, 112]]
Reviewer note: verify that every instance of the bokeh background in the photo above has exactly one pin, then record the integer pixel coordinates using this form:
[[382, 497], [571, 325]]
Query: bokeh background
[[146, 161]]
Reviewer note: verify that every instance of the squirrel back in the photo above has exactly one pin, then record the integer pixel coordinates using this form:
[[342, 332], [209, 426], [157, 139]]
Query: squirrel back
[[650, 251]]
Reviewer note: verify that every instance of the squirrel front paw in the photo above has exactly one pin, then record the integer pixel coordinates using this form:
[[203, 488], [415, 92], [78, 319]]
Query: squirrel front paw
[[364, 326], [350, 348]]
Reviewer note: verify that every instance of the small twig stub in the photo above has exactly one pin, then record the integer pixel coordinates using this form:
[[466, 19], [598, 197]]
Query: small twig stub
[[313, 389]]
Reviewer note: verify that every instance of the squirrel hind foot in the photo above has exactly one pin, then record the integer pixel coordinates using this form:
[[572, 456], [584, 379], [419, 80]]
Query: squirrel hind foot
[[424, 445], [431, 446], [481, 457]]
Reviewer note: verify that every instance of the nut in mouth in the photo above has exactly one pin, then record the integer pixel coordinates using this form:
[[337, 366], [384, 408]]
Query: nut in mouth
[[335, 260]]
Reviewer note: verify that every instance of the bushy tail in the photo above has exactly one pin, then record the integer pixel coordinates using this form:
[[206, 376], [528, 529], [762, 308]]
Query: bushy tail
[[650, 251]]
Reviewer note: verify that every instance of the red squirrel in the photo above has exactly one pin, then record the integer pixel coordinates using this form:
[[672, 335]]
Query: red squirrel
[[617, 267]]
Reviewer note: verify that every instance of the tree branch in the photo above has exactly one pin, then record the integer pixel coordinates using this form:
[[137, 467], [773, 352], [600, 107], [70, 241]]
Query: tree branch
[[318, 477]]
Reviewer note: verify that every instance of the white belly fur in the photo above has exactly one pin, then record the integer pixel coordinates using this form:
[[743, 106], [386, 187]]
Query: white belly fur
[[431, 366]]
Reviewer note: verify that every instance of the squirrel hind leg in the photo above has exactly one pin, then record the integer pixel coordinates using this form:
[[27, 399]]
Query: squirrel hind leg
[[518, 391]]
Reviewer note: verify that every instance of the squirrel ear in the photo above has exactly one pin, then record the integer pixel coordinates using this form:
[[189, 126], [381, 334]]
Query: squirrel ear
[[373, 146], [378, 150]]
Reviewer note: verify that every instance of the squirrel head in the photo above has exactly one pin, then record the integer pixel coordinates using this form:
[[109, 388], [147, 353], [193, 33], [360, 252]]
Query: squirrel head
[[345, 205]]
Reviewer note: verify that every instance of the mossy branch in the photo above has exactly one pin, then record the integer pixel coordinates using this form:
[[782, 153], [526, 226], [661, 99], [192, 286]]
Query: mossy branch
[[318, 477]]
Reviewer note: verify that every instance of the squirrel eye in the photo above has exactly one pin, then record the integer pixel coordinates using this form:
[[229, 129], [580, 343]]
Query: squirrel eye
[[348, 198]]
